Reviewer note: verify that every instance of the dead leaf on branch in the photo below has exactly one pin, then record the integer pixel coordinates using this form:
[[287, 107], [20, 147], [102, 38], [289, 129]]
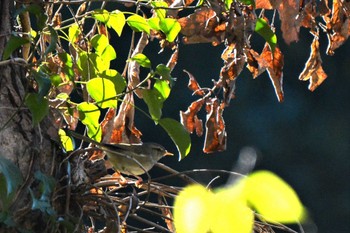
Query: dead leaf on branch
[[199, 27], [313, 70], [215, 136], [120, 128], [193, 85], [233, 66], [274, 68], [189, 119], [288, 11], [255, 64], [338, 26]]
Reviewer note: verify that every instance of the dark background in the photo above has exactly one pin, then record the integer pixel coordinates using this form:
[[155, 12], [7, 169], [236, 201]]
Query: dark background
[[305, 139]]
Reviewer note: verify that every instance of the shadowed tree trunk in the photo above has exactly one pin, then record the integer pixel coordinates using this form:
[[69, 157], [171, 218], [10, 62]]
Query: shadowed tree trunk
[[27, 146]]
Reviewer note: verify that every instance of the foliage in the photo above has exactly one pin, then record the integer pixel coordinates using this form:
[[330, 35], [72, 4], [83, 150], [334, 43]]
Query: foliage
[[72, 79], [230, 209]]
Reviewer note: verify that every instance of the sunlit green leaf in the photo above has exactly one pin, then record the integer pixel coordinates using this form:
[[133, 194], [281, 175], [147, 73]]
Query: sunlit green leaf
[[66, 141], [117, 79], [178, 134], [103, 48], [273, 198], [138, 23], [90, 64], [103, 92], [38, 106], [170, 27], [101, 15], [73, 33], [158, 5], [264, 30], [89, 115], [163, 88], [142, 60], [14, 43], [154, 23], [114, 19], [11, 173]]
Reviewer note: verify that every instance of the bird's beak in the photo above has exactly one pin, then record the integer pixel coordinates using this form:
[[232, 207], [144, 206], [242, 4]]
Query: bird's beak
[[168, 153]]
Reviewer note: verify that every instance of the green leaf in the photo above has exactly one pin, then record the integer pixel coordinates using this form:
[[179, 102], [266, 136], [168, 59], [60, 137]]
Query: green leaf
[[89, 115], [138, 23], [68, 65], [264, 30], [154, 23], [103, 92], [118, 80], [170, 27], [178, 134], [273, 198], [73, 33], [90, 65], [103, 48], [38, 106], [161, 13], [101, 15], [11, 173], [142, 60], [14, 43], [163, 88], [114, 19], [66, 141], [53, 41], [163, 71], [154, 100], [43, 80]]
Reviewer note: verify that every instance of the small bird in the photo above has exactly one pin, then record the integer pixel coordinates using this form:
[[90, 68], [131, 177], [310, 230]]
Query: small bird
[[130, 159]]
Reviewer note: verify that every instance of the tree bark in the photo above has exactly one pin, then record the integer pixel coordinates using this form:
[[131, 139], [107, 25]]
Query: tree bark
[[26, 145]]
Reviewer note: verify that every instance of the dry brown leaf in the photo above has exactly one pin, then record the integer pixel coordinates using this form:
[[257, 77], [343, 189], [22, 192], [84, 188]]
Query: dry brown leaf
[[275, 69], [233, 66], [189, 118], [173, 59], [120, 128], [290, 24], [267, 4], [215, 136], [308, 14], [199, 27], [255, 64], [313, 70], [193, 84], [338, 26]]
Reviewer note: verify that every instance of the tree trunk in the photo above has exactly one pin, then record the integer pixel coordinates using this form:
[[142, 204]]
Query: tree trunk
[[26, 145]]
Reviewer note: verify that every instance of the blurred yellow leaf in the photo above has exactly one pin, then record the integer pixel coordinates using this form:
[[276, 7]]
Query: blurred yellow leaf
[[273, 198], [192, 210]]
